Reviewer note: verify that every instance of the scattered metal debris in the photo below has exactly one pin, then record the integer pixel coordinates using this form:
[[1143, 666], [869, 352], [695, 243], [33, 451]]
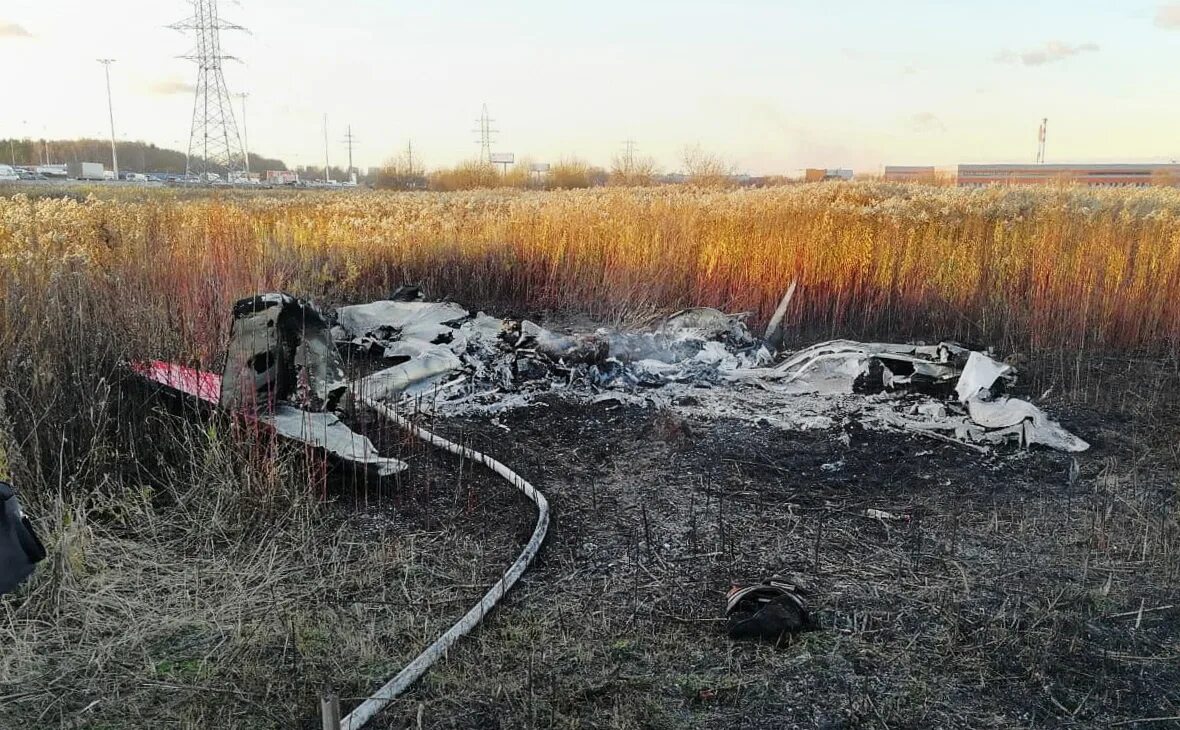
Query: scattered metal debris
[[774, 328], [20, 548], [700, 362], [283, 366], [390, 321]]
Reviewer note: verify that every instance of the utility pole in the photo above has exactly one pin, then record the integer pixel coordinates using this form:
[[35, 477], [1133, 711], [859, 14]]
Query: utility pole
[[349, 139], [245, 136], [410, 157], [1041, 141], [106, 62], [327, 175]]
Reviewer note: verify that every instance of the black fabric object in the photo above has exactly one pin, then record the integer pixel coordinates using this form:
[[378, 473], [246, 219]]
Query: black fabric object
[[20, 549]]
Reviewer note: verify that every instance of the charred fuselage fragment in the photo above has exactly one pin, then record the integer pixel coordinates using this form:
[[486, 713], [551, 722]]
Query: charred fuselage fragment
[[280, 350]]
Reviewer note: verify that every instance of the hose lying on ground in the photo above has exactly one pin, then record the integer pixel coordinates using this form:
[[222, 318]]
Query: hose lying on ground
[[415, 669]]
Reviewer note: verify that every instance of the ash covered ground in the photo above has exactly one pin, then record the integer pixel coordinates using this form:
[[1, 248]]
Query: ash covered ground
[[952, 587]]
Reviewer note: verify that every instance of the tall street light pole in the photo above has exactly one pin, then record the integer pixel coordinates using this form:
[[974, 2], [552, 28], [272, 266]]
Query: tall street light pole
[[327, 171], [245, 136], [106, 62]]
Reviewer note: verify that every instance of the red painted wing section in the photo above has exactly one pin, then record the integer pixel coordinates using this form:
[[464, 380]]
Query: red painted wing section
[[200, 384]]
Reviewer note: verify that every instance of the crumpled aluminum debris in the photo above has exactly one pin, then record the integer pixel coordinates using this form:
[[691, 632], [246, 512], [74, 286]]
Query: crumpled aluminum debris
[[487, 364]]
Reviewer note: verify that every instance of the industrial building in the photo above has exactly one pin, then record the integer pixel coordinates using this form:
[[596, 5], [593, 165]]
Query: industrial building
[[910, 173], [813, 174], [1102, 175]]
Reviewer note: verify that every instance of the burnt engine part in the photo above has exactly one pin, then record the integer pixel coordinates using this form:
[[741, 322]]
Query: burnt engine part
[[767, 610]]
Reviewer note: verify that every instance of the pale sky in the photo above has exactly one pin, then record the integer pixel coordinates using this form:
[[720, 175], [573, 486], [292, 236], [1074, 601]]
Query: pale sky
[[772, 85]]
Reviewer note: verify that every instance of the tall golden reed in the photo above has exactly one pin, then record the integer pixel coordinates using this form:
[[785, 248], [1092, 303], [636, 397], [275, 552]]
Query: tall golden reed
[[1018, 268]]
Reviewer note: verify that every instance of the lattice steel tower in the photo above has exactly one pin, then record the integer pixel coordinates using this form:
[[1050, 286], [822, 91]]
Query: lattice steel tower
[[213, 143], [486, 135]]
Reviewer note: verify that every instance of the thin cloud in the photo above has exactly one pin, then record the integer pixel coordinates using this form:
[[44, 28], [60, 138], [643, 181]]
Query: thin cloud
[[926, 122], [166, 87], [1168, 16], [1051, 52], [13, 30]]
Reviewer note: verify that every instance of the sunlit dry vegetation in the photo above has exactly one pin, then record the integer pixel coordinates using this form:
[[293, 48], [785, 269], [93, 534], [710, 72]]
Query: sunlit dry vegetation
[[1020, 268]]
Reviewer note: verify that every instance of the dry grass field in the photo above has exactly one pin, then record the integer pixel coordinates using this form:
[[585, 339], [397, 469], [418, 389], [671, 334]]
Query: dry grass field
[[1023, 268], [193, 582]]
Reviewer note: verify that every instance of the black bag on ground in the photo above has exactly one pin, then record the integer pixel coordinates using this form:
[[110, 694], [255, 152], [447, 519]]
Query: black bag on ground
[[20, 549]]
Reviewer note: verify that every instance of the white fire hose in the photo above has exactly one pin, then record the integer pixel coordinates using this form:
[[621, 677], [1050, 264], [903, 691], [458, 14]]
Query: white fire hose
[[415, 669]]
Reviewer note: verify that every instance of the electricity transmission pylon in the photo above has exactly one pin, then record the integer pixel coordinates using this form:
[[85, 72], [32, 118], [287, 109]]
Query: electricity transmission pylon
[[213, 143], [629, 156], [486, 134]]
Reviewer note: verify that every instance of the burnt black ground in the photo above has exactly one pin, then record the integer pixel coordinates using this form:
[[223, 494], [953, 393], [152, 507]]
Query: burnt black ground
[[994, 593]]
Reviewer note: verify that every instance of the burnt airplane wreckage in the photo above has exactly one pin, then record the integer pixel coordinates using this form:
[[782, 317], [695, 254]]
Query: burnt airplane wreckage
[[285, 371], [701, 362]]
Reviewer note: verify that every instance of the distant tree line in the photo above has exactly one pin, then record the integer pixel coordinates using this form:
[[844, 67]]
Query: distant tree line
[[700, 168], [316, 172], [133, 156], [404, 172]]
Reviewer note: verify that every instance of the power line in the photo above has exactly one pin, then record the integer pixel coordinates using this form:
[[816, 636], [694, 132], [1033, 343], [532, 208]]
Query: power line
[[213, 139], [106, 62]]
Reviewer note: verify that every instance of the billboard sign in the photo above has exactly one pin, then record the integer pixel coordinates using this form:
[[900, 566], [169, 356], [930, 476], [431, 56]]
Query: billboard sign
[[502, 158], [539, 167], [281, 177]]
